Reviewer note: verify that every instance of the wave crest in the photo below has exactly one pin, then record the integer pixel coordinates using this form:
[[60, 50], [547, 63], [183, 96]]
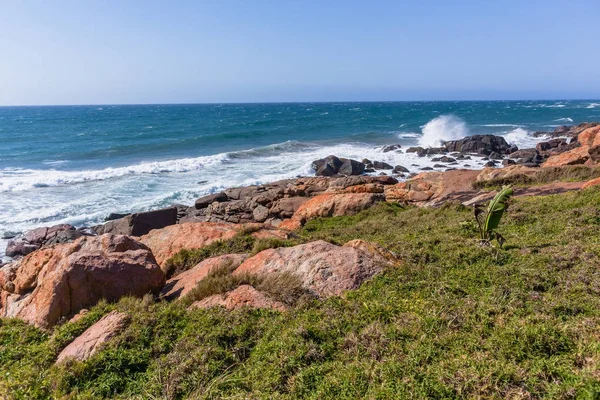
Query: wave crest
[[442, 129]]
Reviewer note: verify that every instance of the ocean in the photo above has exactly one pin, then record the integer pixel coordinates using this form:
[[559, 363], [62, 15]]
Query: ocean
[[76, 164]]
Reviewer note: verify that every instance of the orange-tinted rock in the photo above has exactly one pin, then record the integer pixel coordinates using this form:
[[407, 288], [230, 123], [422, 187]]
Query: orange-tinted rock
[[323, 268], [434, 188], [167, 241], [56, 282], [243, 296], [93, 338], [290, 224], [576, 156], [488, 174], [590, 183], [332, 205], [181, 284], [588, 152]]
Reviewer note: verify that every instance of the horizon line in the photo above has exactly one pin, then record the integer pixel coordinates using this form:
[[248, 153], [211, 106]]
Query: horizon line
[[290, 102]]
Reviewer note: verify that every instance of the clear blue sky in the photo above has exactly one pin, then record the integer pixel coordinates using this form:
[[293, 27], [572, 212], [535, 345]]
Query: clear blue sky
[[99, 52]]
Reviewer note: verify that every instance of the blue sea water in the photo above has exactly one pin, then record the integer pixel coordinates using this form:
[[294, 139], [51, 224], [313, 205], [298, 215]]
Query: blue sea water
[[76, 164]]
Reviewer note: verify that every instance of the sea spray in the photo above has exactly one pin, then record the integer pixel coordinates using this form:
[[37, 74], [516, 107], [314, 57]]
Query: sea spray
[[442, 129]]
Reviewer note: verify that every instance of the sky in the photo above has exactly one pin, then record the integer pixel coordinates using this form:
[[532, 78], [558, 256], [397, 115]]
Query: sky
[[194, 51]]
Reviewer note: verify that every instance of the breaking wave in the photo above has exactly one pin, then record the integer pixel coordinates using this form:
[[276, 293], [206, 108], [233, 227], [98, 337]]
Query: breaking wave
[[442, 129]]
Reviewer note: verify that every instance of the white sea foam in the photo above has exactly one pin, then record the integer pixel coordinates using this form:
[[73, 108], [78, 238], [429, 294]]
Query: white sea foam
[[442, 129], [593, 105], [564, 120], [501, 125], [522, 138]]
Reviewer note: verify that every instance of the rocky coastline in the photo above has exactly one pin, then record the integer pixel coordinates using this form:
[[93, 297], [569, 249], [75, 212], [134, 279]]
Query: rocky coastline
[[60, 271]]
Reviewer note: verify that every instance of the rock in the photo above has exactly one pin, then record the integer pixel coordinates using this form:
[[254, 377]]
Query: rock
[[55, 282], [323, 268], [488, 174], [463, 157], [36, 238], [434, 188], [490, 164], [381, 165], [332, 205], [551, 144], [439, 166], [167, 241], [527, 156], [399, 168], [508, 162], [417, 150], [480, 144], [426, 169], [327, 166], [113, 216], [93, 338], [391, 147], [242, 296], [369, 170], [366, 161], [351, 167], [180, 285], [260, 213], [205, 201], [567, 131], [495, 156], [139, 224], [590, 183], [577, 156], [19, 247], [445, 159], [286, 207]]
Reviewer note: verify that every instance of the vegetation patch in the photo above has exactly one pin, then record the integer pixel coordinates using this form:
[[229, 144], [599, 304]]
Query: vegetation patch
[[454, 320]]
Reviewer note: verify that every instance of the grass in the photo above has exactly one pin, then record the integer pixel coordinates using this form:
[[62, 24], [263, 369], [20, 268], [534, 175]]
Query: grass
[[456, 320], [570, 173]]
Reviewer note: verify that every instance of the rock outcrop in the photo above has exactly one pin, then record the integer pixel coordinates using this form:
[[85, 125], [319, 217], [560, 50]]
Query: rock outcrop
[[323, 268], [165, 242], [59, 281], [588, 151], [93, 338], [242, 296], [180, 285], [480, 144]]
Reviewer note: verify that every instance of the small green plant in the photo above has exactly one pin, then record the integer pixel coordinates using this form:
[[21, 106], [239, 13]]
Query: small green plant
[[488, 220]]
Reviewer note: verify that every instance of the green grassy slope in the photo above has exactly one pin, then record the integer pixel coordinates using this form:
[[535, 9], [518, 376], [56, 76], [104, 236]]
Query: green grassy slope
[[454, 321]]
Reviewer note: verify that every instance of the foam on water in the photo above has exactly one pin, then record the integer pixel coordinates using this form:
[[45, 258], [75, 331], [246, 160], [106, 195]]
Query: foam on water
[[564, 120], [443, 129]]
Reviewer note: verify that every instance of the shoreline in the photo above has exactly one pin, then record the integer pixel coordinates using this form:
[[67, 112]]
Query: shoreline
[[275, 202]]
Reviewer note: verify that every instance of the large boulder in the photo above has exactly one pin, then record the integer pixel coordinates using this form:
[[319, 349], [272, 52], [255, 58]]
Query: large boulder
[[327, 166], [242, 296], [180, 285], [139, 224], [480, 144], [323, 268], [351, 167], [55, 282], [95, 337]]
